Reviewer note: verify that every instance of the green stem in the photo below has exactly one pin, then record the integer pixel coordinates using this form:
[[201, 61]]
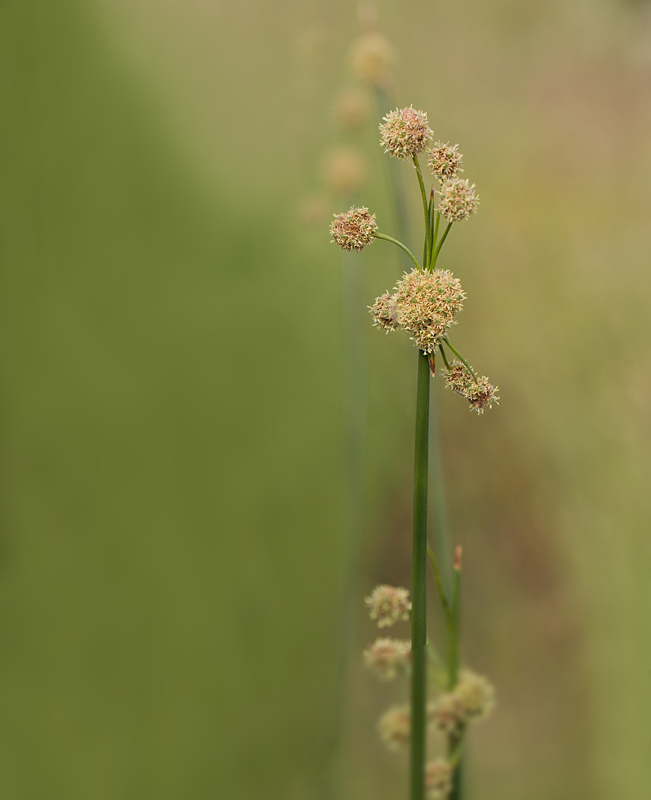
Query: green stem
[[455, 739], [440, 244], [419, 586], [430, 230], [436, 229], [437, 578], [401, 245], [445, 358], [423, 193], [462, 360]]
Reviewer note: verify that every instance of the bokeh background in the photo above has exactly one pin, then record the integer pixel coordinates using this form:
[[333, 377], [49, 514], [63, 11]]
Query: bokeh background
[[173, 470]]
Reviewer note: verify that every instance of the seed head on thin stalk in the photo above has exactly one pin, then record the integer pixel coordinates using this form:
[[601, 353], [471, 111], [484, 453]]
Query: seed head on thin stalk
[[479, 393], [385, 313], [388, 605], [354, 229], [388, 657], [405, 132], [445, 160], [472, 698], [395, 727], [458, 199], [438, 779]]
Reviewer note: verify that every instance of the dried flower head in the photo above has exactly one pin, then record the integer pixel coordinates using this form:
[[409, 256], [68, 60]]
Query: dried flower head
[[426, 304], [352, 109], [344, 170], [445, 160], [389, 604], [353, 229], [372, 56], [447, 714], [388, 657], [458, 199], [405, 132], [479, 393], [395, 727], [475, 695], [385, 313], [438, 779]]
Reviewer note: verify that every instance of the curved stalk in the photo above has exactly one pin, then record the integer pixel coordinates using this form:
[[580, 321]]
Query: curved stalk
[[400, 244], [440, 244], [462, 360]]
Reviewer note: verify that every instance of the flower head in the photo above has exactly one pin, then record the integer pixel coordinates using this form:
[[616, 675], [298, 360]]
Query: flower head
[[343, 170], [458, 199], [475, 694], [384, 313], [389, 604], [388, 656], [445, 160], [372, 56], [447, 714], [478, 392], [353, 229], [438, 779], [395, 727], [426, 304], [405, 132]]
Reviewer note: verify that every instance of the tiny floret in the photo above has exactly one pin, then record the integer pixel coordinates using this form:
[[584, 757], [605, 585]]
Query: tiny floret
[[426, 304], [353, 229], [395, 727], [405, 132], [458, 199], [438, 779], [445, 160], [385, 313], [479, 392], [388, 657], [388, 605]]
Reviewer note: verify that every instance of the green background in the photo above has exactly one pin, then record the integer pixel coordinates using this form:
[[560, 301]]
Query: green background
[[172, 558]]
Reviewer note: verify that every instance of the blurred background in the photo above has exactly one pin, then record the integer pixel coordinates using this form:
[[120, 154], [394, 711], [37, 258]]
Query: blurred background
[[175, 487]]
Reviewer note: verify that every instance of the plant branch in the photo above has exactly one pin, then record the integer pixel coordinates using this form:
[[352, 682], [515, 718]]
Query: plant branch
[[399, 244]]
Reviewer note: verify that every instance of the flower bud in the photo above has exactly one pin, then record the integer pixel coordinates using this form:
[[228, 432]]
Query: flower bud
[[444, 160], [405, 132], [353, 229], [458, 199]]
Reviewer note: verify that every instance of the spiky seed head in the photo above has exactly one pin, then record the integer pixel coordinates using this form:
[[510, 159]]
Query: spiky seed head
[[438, 779], [352, 109], [388, 605], [344, 170], [475, 695], [426, 304], [482, 394], [372, 56], [385, 314], [405, 132], [395, 727], [458, 199], [388, 657], [353, 229], [458, 378], [445, 160]]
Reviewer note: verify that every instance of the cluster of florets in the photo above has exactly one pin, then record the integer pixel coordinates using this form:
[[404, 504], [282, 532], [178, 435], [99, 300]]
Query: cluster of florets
[[353, 229], [388, 605], [445, 160], [405, 132], [471, 699], [372, 55], [438, 779], [388, 657], [458, 199], [478, 391], [423, 304], [395, 727]]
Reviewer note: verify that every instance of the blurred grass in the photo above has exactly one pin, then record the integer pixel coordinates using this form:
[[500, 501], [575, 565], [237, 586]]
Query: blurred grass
[[170, 392]]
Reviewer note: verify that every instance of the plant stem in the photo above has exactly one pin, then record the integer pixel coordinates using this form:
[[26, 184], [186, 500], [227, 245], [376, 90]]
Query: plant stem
[[400, 244], [440, 244], [454, 740], [423, 193], [419, 585]]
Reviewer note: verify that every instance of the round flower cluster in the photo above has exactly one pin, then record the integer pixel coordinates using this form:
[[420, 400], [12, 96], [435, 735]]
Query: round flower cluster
[[344, 171], [423, 304], [458, 199], [389, 604], [388, 657], [395, 727], [438, 779], [472, 698], [479, 393], [445, 160], [372, 56], [405, 132], [353, 229]]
